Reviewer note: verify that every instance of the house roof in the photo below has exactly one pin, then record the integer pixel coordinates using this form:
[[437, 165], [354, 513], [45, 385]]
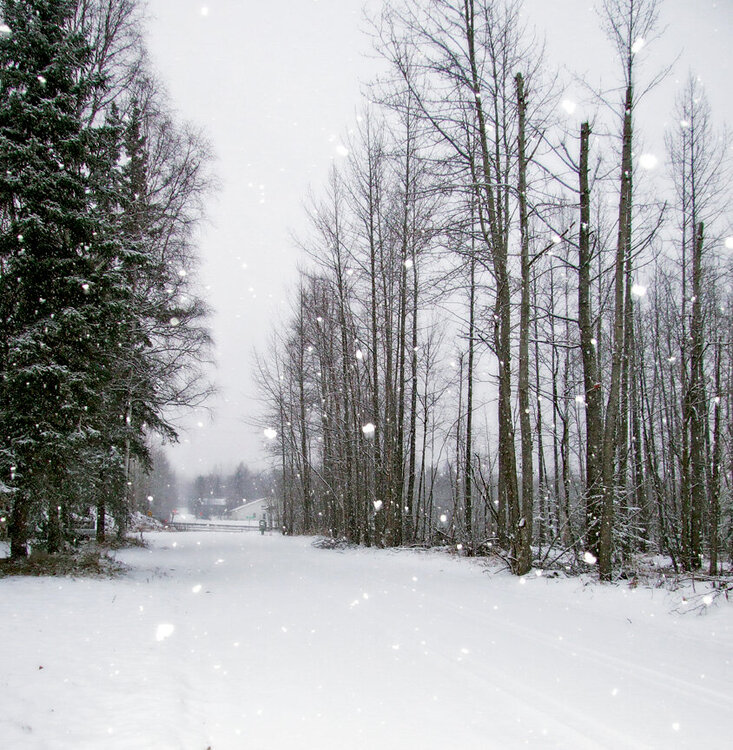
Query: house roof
[[251, 503]]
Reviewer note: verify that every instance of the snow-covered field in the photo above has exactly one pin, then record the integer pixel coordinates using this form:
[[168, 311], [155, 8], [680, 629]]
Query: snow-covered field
[[244, 641]]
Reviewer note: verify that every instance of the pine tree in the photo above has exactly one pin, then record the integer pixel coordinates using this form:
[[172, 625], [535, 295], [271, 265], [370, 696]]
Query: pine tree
[[60, 275]]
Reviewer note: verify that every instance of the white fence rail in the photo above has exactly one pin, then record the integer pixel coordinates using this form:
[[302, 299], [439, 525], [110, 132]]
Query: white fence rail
[[202, 525]]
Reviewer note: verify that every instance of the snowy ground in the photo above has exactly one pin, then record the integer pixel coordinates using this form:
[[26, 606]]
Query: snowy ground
[[242, 642]]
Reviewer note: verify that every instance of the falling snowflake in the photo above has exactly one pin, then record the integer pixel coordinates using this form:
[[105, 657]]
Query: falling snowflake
[[163, 631], [368, 429], [648, 161], [377, 505], [638, 290], [269, 433], [638, 45], [589, 557], [568, 105]]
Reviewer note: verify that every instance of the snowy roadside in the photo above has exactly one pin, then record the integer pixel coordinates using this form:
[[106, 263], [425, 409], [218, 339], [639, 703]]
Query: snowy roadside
[[243, 641]]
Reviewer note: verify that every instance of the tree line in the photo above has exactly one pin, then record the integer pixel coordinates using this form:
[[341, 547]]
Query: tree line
[[159, 491], [504, 339], [102, 332], [237, 487]]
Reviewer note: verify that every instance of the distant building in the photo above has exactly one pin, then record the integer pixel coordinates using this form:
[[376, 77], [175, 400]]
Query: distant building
[[254, 511]]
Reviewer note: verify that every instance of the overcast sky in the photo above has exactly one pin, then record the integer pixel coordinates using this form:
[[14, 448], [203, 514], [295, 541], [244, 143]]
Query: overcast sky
[[276, 87]]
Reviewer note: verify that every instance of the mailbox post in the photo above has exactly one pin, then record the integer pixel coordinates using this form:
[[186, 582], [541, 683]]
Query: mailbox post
[[263, 526]]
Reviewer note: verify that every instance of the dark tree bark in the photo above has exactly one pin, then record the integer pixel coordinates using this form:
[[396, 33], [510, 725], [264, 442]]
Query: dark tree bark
[[524, 555], [591, 374]]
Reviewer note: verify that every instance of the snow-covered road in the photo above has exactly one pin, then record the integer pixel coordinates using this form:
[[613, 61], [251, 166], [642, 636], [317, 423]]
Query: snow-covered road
[[242, 642]]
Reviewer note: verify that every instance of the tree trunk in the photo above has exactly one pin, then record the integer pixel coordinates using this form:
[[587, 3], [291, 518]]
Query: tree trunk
[[495, 239], [715, 468], [18, 527], [591, 374], [524, 555], [101, 530], [543, 479], [468, 475], [412, 451], [611, 438], [697, 407]]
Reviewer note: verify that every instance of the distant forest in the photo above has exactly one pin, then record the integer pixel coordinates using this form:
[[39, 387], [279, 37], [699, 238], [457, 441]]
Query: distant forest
[[159, 490]]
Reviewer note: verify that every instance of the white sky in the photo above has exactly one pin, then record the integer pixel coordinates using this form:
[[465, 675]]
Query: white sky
[[275, 86]]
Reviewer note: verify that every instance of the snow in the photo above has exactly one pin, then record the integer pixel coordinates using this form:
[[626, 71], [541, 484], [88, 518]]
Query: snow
[[569, 106], [648, 161], [243, 640], [638, 290]]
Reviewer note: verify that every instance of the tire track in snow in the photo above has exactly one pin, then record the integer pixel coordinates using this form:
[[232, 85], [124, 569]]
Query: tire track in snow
[[653, 677], [658, 680], [557, 725]]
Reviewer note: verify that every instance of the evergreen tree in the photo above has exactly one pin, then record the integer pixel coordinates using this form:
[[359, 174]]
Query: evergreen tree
[[61, 276]]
